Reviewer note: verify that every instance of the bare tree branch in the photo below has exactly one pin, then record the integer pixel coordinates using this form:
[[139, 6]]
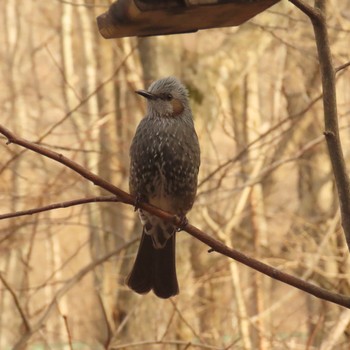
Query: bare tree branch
[[69, 333], [195, 232], [66, 204], [17, 303], [337, 331], [341, 67], [317, 16], [107, 324], [312, 13], [186, 344]]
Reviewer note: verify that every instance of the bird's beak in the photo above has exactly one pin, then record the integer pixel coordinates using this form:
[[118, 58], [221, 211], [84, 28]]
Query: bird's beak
[[146, 94]]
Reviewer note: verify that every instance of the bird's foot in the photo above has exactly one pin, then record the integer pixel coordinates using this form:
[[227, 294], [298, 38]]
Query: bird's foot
[[138, 199], [183, 222]]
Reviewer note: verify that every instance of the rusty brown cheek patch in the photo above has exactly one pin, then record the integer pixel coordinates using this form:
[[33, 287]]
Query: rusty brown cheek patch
[[177, 107]]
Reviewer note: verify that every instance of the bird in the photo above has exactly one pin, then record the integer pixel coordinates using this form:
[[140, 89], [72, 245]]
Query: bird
[[164, 166]]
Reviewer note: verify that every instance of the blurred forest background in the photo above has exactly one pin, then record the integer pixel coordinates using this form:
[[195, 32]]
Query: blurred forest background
[[265, 188]]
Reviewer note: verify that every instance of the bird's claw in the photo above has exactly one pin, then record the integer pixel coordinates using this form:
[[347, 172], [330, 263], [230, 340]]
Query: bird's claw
[[183, 223], [138, 199]]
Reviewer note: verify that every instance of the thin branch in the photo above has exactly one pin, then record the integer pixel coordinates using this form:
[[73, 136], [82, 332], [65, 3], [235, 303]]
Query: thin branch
[[195, 232], [162, 343], [337, 331], [65, 320], [17, 303], [341, 67], [108, 328], [311, 12], [53, 206], [188, 324], [71, 3]]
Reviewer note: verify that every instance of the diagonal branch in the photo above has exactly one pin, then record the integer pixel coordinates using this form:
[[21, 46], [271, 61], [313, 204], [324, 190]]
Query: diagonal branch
[[215, 245], [17, 303], [341, 67]]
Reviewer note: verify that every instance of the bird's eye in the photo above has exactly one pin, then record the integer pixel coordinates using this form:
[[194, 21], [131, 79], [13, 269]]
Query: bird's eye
[[168, 97]]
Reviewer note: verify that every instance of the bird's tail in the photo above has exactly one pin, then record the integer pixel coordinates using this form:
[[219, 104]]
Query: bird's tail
[[154, 269]]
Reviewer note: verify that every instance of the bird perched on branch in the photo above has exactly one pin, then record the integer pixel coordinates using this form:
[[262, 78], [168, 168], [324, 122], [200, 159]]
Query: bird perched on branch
[[164, 164]]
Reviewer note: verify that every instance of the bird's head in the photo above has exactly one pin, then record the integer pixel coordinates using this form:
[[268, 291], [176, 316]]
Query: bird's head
[[166, 97]]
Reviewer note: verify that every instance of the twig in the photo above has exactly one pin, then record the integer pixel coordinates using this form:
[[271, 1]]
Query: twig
[[311, 12], [183, 319], [162, 343], [337, 331], [65, 320], [16, 301], [66, 204], [108, 328], [341, 67]]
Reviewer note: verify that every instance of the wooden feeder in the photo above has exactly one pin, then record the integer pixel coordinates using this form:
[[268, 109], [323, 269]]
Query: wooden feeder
[[156, 17]]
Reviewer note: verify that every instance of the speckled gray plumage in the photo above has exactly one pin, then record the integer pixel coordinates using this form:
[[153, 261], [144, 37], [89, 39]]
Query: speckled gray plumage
[[164, 160]]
